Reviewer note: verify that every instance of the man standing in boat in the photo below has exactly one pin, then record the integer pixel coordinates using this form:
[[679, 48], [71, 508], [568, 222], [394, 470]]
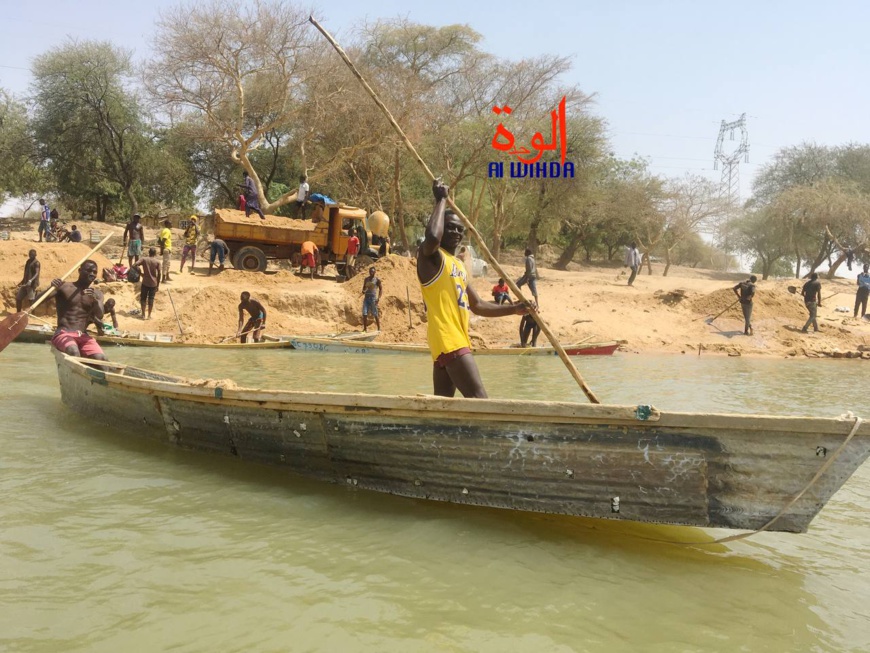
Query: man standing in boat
[[77, 306], [257, 321], [449, 299]]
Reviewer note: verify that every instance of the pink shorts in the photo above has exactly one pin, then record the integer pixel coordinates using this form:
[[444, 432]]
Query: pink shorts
[[88, 347], [308, 260], [448, 357]]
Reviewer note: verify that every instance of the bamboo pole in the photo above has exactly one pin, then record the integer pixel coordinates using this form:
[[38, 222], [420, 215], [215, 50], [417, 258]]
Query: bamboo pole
[[178, 321], [470, 227]]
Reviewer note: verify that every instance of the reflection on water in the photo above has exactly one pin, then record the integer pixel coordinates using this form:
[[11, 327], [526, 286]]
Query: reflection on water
[[110, 543]]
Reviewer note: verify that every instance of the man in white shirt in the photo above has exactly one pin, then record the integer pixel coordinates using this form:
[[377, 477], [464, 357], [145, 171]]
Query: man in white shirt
[[632, 260], [302, 196]]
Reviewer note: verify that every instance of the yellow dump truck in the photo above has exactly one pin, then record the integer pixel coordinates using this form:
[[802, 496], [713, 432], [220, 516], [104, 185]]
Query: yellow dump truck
[[253, 241]]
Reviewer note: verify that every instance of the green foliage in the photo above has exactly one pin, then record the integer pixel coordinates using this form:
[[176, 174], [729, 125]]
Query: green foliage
[[780, 268], [20, 173], [93, 135]]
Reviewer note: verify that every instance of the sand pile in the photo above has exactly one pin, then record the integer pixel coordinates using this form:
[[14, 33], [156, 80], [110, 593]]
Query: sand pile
[[56, 260], [256, 280], [398, 276], [768, 304], [238, 217]]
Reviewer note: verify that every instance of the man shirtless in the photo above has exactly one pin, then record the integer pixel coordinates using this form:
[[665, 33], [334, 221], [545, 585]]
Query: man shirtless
[[256, 323], [77, 306], [136, 233], [29, 286], [449, 299]]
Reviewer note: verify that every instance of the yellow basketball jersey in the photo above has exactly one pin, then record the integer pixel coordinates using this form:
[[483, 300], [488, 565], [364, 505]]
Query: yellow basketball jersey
[[446, 298]]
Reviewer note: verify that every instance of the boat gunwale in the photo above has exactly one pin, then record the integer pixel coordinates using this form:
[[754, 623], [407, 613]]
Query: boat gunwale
[[424, 349], [453, 408]]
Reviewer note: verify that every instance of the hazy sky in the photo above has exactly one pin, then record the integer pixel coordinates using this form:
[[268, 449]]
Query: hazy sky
[[665, 73]]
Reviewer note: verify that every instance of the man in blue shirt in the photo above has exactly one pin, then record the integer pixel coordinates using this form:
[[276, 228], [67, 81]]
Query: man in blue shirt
[[863, 292], [252, 198], [44, 219]]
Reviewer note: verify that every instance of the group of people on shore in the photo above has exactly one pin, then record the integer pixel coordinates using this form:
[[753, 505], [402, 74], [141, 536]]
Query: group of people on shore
[[444, 281], [449, 298], [811, 292], [51, 229]]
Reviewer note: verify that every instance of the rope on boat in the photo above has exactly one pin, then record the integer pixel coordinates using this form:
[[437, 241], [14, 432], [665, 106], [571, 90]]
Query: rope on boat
[[856, 425]]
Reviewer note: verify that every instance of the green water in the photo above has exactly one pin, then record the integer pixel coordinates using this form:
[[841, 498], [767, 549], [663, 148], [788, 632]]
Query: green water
[[114, 544]]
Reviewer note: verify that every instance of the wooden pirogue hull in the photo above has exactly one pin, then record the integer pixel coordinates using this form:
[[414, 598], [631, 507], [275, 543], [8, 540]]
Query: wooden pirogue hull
[[345, 347], [39, 335], [42, 334], [727, 471]]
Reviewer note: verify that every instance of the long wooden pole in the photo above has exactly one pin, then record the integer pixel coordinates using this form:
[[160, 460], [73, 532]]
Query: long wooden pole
[[171, 301], [470, 227]]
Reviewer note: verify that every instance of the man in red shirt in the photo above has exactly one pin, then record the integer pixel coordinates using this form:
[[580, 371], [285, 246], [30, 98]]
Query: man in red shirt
[[352, 251], [500, 293]]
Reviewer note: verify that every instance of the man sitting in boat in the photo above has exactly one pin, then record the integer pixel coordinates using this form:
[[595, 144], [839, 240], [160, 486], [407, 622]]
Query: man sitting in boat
[[449, 298], [77, 306], [257, 321]]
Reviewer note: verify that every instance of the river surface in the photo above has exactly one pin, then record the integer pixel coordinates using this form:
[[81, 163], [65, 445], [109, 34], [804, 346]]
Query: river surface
[[113, 544]]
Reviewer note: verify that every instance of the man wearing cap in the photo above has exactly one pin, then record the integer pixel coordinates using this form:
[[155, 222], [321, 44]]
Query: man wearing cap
[[191, 234], [136, 233]]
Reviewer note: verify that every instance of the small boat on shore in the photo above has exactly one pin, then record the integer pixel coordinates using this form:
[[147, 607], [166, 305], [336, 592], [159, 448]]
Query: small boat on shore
[[612, 462], [344, 347], [44, 333]]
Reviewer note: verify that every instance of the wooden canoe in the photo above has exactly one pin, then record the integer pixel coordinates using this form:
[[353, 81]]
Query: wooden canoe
[[41, 334], [613, 462], [354, 336], [345, 347]]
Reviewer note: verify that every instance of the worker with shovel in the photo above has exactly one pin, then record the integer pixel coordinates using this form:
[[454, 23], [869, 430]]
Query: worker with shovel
[[812, 292], [745, 291]]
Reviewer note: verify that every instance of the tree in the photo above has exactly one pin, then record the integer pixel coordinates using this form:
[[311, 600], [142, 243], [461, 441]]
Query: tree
[[764, 236], [690, 204], [90, 125], [801, 165], [239, 75], [19, 170]]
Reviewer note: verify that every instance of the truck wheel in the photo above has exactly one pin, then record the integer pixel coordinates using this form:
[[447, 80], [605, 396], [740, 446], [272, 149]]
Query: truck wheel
[[250, 259]]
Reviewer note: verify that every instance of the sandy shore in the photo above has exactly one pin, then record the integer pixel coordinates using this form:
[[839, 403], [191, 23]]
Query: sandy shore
[[658, 314]]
